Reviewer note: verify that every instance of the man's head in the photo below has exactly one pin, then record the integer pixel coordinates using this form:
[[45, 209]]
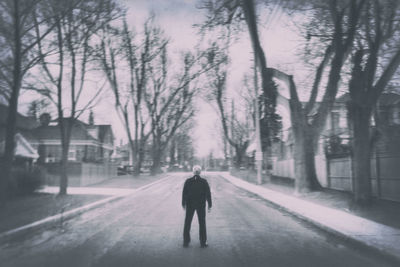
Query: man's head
[[196, 170]]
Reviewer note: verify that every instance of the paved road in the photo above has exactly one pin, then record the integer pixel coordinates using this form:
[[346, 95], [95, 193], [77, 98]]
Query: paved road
[[145, 229]]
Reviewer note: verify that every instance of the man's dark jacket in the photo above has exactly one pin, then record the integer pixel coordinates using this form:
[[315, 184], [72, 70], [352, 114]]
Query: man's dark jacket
[[196, 192]]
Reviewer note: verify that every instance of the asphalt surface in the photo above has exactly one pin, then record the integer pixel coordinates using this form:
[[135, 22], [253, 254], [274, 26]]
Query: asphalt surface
[[145, 229]]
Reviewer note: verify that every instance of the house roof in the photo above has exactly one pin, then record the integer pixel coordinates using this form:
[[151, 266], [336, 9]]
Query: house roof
[[22, 149], [386, 99], [389, 99], [80, 131], [32, 131], [52, 132]]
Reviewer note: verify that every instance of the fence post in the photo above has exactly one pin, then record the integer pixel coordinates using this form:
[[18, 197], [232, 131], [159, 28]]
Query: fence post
[[378, 175], [352, 173], [328, 171]]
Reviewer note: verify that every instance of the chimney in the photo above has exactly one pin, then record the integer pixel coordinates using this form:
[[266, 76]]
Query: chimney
[[44, 119]]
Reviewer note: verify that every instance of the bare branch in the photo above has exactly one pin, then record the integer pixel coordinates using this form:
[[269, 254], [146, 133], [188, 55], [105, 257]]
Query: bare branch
[[89, 103], [317, 79], [386, 76]]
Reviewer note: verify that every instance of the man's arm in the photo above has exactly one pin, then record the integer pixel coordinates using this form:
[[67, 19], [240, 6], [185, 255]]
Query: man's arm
[[208, 195], [184, 194]]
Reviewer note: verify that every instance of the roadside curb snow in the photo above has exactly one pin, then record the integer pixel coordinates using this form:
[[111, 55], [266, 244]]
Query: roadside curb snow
[[375, 237], [61, 217]]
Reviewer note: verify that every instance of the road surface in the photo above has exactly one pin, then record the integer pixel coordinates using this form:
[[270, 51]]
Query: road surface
[[145, 229]]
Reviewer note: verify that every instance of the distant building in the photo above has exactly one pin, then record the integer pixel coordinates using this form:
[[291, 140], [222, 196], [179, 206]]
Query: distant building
[[89, 143], [89, 156], [125, 158], [123, 155], [333, 155]]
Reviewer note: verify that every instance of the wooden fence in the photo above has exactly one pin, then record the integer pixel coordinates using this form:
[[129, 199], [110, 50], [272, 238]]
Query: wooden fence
[[81, 174]]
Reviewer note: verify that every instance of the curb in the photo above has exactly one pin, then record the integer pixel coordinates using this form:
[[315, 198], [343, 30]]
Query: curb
[[5, 236], [61, 217], [354, 239]]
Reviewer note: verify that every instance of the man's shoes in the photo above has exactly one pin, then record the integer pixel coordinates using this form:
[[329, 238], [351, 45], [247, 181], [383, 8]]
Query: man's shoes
[[185, 244], [204, 245]]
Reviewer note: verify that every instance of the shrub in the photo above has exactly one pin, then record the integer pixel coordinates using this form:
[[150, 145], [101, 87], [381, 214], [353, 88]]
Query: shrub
[[26, 181]]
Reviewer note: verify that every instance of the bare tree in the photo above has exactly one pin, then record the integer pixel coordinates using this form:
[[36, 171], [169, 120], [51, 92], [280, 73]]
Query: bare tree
[[339, 22], [375, 61], [137, 57], [170, 105], [181, 150], [235, 131], [72, 52], [38, 107], [18, 42], [232, 14]]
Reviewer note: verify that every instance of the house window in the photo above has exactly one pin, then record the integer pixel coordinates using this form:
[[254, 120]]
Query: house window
[[395, 114], [79, 155], [335, 121], [72, 155], [291, 152], [282, 150], [50, 158], [342, 120], [373, 123]]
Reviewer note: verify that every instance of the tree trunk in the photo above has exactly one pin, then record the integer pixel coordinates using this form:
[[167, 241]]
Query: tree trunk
[[157, 152], [133, 147], [311, 172], [304, 145], [64, 170], [140, 158], [66, 129], [360, 118], [304, 161], [156, 167], [172, 150], [136, 151], [240, 151], [8, 157], [140, 153]]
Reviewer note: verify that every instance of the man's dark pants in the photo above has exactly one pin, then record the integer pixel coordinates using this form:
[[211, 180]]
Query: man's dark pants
[[201, 215]]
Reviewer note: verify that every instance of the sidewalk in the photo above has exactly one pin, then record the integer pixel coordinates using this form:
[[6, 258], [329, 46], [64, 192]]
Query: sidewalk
[[376, 228], [118, 186]]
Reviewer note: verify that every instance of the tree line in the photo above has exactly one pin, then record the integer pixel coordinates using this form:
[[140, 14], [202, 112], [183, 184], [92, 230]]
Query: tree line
[[62, 49], [352, 44], [53, 48]]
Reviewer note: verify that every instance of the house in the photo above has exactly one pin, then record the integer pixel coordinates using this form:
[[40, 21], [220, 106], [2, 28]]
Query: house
[[125, 158], [333, 155], [89, 156], [123, 155], [88, 143]]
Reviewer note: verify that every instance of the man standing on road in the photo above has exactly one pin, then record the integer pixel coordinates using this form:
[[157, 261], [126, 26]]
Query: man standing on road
[[196, 192]]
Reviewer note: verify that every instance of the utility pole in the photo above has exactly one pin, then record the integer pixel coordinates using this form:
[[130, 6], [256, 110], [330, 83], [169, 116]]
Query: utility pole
[[259, 154], [232, 133]]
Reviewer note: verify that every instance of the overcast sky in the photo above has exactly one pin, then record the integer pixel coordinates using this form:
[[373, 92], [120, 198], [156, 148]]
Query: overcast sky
[[176, 18]]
